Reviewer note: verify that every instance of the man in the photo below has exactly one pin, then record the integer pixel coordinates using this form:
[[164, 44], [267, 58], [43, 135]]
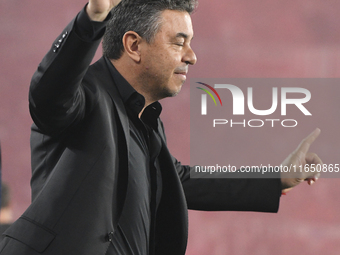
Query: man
[[103, 179]]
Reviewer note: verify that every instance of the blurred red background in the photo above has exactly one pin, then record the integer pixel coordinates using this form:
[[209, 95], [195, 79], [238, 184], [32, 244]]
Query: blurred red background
[[277, 38]]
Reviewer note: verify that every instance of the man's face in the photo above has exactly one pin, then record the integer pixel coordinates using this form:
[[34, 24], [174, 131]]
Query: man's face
[[167, 58]]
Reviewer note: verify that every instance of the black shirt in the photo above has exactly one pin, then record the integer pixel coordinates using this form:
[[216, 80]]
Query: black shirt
[[136, 226]]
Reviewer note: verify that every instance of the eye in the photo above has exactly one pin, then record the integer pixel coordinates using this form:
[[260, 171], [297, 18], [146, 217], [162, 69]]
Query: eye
[[181, 44]]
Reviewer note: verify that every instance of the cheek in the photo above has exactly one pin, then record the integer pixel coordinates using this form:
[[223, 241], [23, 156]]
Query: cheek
[[162, 64]]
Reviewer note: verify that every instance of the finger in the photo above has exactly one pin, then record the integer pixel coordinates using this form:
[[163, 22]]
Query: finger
[[310, 181], [312, 158], [312, 166], [306, 143], [313, 179]]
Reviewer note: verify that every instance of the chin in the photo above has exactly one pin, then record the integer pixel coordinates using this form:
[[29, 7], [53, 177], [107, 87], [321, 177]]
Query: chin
[[175, 92], [171, 91]]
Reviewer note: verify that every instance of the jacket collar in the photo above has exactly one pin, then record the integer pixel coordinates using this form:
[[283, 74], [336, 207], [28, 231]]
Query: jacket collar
[[110, 86]]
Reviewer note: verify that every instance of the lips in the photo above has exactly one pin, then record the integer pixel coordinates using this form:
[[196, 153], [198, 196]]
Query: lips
[[182, 72], [182, 75]]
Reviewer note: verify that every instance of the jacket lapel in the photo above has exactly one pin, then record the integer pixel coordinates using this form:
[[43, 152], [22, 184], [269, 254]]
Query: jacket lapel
[[172, 213], [122, 126], [108, 83]]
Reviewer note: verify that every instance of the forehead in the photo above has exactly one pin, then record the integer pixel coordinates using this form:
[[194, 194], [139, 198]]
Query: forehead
[[176, 22]]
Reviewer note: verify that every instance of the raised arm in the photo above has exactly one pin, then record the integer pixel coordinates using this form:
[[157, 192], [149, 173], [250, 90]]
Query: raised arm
[[57, 99]]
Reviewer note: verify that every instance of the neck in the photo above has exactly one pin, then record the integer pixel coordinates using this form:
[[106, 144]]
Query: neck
[[132, 77]]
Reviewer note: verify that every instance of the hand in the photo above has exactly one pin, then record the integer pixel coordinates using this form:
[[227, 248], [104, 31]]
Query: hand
[[300, 157], [99, 9]]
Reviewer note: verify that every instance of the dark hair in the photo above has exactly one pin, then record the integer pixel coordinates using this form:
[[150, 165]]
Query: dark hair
[[140, 16]]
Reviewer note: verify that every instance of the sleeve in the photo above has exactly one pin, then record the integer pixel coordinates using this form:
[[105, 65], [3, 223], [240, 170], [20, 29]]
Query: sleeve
[[89, 30], [57, 100], [229, 194]]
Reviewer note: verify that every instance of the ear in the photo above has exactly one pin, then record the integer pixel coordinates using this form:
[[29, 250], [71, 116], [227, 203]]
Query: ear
[[131, 42]]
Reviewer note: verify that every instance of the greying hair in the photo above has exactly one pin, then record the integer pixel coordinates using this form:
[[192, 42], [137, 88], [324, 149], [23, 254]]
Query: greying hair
[[140, 16]]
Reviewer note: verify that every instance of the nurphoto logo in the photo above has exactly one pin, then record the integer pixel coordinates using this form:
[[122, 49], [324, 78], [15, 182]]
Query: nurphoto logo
[[278, 102]]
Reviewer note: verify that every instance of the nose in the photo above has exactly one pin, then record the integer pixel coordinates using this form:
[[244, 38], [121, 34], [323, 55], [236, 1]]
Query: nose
[[190, 56]]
